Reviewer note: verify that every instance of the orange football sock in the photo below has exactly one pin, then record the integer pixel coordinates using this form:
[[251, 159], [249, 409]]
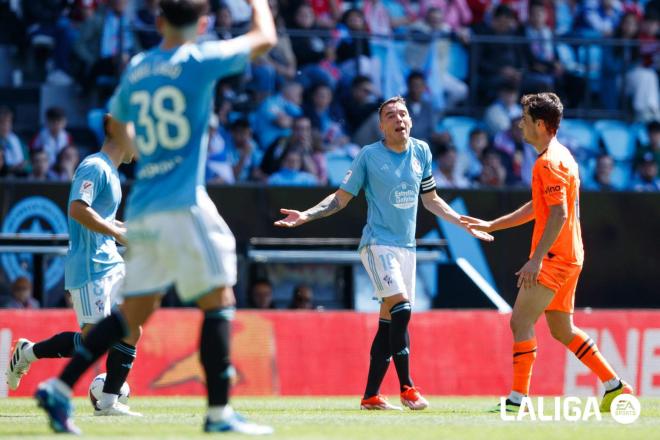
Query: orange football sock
[[587, 352], [524, 355]]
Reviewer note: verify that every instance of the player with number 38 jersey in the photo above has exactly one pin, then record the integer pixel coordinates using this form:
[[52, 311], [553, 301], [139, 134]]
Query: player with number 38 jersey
[[169, 95]]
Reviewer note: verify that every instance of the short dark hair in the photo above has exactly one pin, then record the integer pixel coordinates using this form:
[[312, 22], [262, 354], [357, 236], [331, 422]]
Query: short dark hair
[[182, 13], [415, 74], [544, 106], [475, 131], [651, 127], [393, 99], [359, 80], [503, 11], [55, 114], [240, 124]]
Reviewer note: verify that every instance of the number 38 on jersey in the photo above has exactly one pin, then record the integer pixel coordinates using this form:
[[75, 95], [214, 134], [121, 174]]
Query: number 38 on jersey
[[161, 119]]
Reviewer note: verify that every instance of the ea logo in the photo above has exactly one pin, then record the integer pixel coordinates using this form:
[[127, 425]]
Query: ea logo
[[625, 408], [34, 215]]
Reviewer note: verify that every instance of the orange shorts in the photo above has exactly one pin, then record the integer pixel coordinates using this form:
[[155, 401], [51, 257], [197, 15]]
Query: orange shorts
[[562, 279]]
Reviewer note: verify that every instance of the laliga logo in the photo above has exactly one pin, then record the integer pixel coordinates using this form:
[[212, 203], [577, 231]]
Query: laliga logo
[[625, 409], [34, 215]]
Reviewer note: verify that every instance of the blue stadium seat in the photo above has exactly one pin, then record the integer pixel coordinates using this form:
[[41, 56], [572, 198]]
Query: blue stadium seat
[[338, 163], [458, 61], [618, 139], [459, 127], [581, 132], [639, 133]]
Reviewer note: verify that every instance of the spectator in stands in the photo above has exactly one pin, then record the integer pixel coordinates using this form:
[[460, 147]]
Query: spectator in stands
[[598, 18], [48, 26], [493, 172], [646, 177], [245, 153], [40, 167], [291, 173], [67, 162], [602, 180], [424, 117], [323, 115], [428, 50], [21, 295], [276, 114], [105, 44], [261, 294], [506, 107], [53, 137], [498, 62], [311, 50], [302, 298], [517, 156], [361, 110], [327, 12], [219, 167], [653, 147], [456, 13], [447, 175], [642, 79], [278, 65], [11, 146], [379, 21], [543, 66], [144, 25], [469, 162], [353, 50], [300, 140], [616, 60]]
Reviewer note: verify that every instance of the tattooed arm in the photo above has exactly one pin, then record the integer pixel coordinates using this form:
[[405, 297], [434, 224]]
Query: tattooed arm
[[328, 206]]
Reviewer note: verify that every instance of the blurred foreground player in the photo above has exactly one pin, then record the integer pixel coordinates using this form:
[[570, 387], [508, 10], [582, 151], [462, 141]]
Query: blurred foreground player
[[547, 282], [93, 273], [176, 235], [394, 173]]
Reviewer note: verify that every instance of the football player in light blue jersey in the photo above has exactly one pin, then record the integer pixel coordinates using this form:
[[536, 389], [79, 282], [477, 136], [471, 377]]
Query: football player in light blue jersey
[[175, 232], [93, 272], [394, 173]]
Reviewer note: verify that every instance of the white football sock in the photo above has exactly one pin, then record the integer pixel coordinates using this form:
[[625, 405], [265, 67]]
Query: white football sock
[[107, 400], [220, 412], [611, 384], [516, 397], [29, 353]]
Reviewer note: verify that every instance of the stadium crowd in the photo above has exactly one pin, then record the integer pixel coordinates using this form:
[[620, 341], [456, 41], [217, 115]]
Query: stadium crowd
[[300, 113]]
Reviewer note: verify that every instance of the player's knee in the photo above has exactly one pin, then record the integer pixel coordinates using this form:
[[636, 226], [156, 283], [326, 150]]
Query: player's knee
[[519, 324], [562, 334], [134, 336]]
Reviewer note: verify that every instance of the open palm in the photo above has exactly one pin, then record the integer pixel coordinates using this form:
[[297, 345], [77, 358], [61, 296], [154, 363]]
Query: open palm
[[293, 218]]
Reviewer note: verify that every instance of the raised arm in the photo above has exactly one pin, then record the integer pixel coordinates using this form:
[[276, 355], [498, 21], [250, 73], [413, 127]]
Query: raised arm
[[333, 203], [86, 216], [434, 203], [262, 35], [518, 217]]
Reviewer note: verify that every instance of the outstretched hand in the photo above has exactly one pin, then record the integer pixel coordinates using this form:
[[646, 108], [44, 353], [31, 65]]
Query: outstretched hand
[[476, 223], [481, 235], [293, 218]]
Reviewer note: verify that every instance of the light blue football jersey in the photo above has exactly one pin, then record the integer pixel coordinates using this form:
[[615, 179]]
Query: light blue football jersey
[[168, 95], [91, 255], [392, 183]]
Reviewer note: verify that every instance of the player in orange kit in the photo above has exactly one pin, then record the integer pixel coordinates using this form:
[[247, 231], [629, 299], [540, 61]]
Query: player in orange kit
[[548, 280]]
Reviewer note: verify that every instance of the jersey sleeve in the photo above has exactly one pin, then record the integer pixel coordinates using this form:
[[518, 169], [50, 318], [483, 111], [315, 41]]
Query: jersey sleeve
[[428, 181], [355, 176], [224, 58], [87, 183], [554, 179]]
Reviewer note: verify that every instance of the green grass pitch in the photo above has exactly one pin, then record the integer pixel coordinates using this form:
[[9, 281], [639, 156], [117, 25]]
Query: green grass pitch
[[326, 418]]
